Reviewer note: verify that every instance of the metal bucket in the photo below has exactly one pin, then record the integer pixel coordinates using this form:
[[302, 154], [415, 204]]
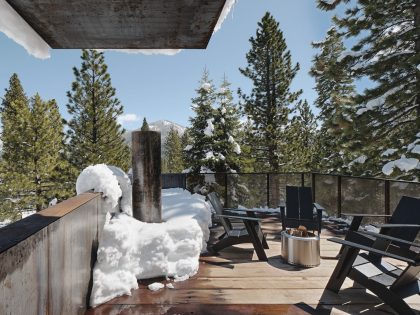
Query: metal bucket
[[300, 251]]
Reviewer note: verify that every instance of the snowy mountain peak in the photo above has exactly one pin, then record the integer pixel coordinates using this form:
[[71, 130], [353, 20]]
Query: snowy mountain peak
[[164, 126]]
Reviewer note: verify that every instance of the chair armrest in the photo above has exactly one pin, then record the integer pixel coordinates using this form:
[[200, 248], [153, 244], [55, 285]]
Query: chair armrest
[[396, 226], [237, 217], [387, 237], [318, 207], [366, 215], [255, 210], [373, 250]]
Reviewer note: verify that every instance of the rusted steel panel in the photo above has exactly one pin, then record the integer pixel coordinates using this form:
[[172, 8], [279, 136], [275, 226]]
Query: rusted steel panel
[[49, 271], [120, 24], [147, 187]]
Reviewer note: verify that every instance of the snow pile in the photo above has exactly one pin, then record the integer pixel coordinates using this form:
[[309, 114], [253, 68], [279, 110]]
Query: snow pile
[[100, 178], [155, 286], [178, 204], [130, 249], [404, 164], [16, 28], [360, 160], [206, 86]]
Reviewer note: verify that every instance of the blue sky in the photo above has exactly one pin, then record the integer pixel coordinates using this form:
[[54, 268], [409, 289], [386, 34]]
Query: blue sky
[[161, 87]]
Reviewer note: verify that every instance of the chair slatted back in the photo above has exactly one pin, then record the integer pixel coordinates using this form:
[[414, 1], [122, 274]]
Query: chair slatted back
[[406, 212], [299, 203], [218, 207], [305, 203], [292, 202]]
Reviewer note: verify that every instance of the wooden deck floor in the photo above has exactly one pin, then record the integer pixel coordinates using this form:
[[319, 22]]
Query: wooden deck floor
[[237, 283]]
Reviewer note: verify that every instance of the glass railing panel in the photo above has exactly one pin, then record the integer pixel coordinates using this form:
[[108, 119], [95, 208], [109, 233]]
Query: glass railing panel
[[326, 192], [247, 190]]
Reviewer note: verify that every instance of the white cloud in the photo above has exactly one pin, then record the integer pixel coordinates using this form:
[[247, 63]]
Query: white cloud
[[128, 118], [18, 30]]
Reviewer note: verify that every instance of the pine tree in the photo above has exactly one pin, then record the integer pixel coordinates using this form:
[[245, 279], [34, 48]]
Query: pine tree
[[15, 118], [46, 153], [145, 125], [33, 166], [387, 51], [94, 133], [336, 91], [227, 126], [272, 72], [301, 137], [199, 152], [173, 152]]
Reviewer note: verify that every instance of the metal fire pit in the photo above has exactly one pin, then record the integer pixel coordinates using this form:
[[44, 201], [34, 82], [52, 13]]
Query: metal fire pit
[[300, 251]]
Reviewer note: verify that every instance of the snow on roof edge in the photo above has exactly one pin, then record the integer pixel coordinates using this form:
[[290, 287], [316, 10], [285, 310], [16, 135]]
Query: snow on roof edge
[[17, 29]]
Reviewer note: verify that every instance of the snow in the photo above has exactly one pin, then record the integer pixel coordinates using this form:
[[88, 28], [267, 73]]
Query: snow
[[155, 286], [206, 86], [360, 160], [16, 28], [226, 9], [416, 149], [208, 131], [379, 101], [125, 185], [131, 250], [231, 140], [388, 152], [404, 164], [236, 148], [223, 110], [170, 286], [100, 178], [209, 155], [52, 202], [188, 147]]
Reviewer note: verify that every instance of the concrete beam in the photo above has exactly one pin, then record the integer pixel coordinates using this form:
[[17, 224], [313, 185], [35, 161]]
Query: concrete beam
[[122, 24]]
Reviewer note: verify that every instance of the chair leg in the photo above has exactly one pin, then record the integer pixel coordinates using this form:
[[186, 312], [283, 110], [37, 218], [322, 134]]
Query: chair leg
[[229, 241], [253, 231], [342, 269], [393, 299]]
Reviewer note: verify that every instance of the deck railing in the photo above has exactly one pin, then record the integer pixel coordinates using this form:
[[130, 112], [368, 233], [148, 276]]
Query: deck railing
[[337, 193]]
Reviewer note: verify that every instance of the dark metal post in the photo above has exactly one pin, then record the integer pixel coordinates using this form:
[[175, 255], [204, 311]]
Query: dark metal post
[[226, 191], [147, 187], [387, 200], [268, 190], [339, 196], [302, 179], [313, 187]]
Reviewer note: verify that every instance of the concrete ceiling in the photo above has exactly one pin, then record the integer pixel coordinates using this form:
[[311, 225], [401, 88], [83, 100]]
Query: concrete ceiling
[[122, 24]]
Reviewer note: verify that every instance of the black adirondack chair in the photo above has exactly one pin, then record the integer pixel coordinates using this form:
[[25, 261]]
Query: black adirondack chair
[[300, 210], [249, 232], [395, 240]]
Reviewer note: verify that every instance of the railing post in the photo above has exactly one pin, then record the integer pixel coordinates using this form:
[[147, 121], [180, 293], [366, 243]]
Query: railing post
[[185, 180], [226, 191], [302, 179], [339, 196], [387, 200], [313, 186], [268, 190]]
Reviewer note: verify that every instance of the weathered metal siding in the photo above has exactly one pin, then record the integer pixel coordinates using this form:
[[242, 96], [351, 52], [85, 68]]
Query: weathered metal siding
[[46, 269]]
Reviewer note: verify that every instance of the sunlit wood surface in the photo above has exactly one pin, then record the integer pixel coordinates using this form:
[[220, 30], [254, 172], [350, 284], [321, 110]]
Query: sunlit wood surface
[[237, 283]]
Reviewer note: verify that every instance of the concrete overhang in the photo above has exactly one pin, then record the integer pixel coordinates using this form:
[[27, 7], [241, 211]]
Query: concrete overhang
[[122, 24]]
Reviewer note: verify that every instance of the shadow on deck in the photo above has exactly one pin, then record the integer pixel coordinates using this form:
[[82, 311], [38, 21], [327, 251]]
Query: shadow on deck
[[235, 282]]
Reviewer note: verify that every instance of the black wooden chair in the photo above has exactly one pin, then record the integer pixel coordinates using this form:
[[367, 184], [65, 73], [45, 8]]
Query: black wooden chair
[[300, 210], [395, 240], [249, 232]]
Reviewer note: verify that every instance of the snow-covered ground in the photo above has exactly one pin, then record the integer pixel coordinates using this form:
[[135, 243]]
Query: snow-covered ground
[[130, 249]]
